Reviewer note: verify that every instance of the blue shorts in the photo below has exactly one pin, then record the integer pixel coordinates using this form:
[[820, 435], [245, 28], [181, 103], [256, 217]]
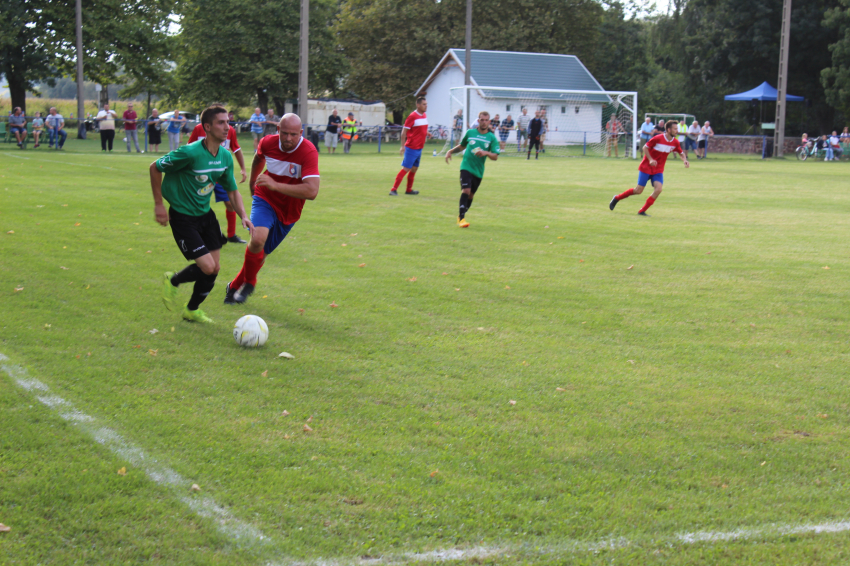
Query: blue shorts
[[18, 129], [411, 158], [221, 194], [645, 178], [263, 215]]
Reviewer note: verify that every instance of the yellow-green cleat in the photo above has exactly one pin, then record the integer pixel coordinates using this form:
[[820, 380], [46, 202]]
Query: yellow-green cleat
[[169, 291], [196, 316]]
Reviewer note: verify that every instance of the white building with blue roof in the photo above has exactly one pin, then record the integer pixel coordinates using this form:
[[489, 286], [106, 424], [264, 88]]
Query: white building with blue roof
[[575, 116]]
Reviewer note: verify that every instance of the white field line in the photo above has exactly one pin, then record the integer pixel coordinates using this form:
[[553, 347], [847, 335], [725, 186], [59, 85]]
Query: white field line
[[161, 474], [206, 507]]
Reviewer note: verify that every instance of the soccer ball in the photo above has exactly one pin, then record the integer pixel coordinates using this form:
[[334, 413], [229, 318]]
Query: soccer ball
[[250, 331]]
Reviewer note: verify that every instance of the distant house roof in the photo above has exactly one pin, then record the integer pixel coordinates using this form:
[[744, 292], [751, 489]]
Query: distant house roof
[[510, 69]]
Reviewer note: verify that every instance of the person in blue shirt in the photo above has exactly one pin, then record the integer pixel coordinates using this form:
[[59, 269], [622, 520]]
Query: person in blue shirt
[[174, 124], [646, 130], [257, 120]]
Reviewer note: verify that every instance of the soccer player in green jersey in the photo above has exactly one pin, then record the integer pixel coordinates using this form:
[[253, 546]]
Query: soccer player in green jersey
[[191, 173], [479, 143]]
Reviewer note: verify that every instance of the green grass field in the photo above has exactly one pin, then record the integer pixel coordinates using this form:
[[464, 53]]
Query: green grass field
[[557, 384]]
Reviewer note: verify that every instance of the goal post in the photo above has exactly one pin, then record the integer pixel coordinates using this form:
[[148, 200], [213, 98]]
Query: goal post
[[576, 122]]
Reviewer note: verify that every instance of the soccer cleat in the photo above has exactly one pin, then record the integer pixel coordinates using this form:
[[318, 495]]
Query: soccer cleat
[[236, 240], [393, 193], [229, 295], [245, 291], [613, 203], [462, 223], [411, 192], [196, 316], [169, 291], [642, 214]]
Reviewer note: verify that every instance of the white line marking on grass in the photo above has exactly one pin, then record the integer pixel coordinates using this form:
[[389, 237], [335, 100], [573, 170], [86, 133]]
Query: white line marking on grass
[[203, 506]]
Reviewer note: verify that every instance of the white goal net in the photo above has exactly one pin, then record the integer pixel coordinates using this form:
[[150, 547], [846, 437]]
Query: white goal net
[[576, 123]]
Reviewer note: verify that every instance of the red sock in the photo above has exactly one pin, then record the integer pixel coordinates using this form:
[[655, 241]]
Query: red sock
[[248, 273], [231, 223], [398, 178], [625, 194], [649, 202], [410, 181]]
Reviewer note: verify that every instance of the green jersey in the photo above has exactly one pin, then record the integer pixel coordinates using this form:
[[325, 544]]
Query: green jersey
[[191, 173], [473, 139]]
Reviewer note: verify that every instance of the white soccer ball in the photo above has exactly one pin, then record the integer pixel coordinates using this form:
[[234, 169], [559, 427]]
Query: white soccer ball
[[250, 331]]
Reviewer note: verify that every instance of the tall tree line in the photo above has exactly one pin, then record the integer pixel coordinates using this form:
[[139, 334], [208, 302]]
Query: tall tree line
[[247, 53]]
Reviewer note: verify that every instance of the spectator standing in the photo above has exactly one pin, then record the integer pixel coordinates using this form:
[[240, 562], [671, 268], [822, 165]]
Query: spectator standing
[[175, 123], [231, 120], [702, 141], [106, 124], [692, 136], [544, 131], [270, 123], [256, 121], [37, 128], [494, 125], [457, 125], [522, 129], [646, 130], [332, 131], [845, 140], [535, 126], [130, 127], [18, 126], [349, 132], [613, 128], [154, 133], [504, 131], [56, 133], [659, 128]]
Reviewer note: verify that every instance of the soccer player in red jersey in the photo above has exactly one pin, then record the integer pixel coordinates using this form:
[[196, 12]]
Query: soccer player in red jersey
[[291, 176], [232, 144], [413, 136], [651, 168]]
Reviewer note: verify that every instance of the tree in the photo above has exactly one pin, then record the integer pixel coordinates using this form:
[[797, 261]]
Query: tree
[[252, 54], [836, 78], [393, 46], [24, 60]]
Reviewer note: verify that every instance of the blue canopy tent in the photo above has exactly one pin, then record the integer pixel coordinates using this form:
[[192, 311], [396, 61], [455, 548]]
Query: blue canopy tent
[[763, 92]]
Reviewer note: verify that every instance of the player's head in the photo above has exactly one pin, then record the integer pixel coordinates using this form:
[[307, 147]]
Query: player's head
[[214, 122], [289, 129], [483, 120], [421, 104], [672, 127]]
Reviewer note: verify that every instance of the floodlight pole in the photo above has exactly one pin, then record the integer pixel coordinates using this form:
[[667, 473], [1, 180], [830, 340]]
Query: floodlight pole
[[81, 124], [782, 83], [303, 62], [467, 76]]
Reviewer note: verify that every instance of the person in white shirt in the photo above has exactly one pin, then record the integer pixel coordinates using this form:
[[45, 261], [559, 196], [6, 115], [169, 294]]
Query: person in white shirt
[[704, 133], [106, 123], [835, 144], [56, 133], [693, 134]]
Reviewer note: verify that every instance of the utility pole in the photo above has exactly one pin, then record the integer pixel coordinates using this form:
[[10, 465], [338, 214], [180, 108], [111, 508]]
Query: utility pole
[[782, 83], [467, 77], [81, 108], [303, 62]]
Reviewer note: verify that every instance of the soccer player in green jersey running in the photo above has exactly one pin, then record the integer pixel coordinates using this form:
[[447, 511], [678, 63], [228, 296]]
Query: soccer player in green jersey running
[[191, 173], [479, 143]]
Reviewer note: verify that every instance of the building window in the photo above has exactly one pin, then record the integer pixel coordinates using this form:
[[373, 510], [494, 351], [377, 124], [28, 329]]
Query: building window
[[577, 109], [563, 109], [507, 108]]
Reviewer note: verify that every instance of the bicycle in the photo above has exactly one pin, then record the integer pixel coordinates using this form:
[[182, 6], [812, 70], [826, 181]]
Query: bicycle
[[806, 151]]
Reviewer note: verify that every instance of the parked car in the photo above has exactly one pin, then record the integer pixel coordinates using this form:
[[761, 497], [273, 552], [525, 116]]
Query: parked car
[[192, 120]]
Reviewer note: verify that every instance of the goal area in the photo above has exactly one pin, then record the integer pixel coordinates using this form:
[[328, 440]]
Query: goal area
[[576, 122]]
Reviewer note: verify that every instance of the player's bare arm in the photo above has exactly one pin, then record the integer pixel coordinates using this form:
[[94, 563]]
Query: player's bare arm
[[403, 139], [159, 211], [241, 159], [239, 207], [456, 149], [308, 189], [257, 167], [652, 162]]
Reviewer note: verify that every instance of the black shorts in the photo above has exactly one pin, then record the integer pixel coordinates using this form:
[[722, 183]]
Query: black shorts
[[533, 141], [701, 144], [469, 181], [196, 235]]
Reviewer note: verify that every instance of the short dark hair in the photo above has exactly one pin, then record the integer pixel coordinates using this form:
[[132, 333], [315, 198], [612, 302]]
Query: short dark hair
[[420, 99], [483, 113], [209, 114], [670, 124]]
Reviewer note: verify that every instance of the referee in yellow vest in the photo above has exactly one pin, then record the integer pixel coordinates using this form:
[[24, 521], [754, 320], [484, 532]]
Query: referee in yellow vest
[[349, 132]]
